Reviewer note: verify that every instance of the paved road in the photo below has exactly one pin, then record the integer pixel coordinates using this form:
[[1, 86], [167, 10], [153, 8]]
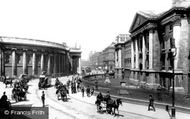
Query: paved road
[[79, 107]]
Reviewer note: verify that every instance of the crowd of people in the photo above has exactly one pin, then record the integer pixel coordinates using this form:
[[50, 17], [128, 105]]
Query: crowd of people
[[76, 86]]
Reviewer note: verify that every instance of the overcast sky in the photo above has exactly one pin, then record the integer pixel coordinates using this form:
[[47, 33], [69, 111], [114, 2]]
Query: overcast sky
[[93, 24]]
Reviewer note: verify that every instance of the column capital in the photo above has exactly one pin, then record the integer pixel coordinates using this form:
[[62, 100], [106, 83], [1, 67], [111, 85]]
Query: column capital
[[14, 49], [177, 22], [151, 30], [25, 49], [34, 50]]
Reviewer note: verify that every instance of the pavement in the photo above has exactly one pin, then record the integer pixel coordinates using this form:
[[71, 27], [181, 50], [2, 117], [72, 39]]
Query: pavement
[[133, 108], [130, 108]]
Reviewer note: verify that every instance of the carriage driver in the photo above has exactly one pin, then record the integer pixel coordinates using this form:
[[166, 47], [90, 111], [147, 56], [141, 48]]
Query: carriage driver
[[99, 96], [108, 95]]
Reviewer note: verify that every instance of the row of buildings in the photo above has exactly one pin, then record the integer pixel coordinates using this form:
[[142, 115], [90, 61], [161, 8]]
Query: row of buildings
[[144, 59], [32, 57]]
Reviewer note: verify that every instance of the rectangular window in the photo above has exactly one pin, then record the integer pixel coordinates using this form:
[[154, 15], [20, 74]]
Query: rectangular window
[[147, 61], [163, 61]]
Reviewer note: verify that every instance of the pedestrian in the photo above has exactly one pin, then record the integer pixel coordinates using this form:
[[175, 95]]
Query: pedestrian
[[4, 97], [99, 96], [82, 90], [92, 91], [151, 103], [88, 91], [43, 98], [96, 83], [159, 93], [108, 95]]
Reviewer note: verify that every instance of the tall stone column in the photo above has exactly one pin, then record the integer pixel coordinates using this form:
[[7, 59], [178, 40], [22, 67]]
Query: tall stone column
[[14, 62], [24, 61], [119, 55], [132, 54], [115, 58], [119, 64], [34, 62], [143, 52], [59, 57], [49, 64], [79, 71], [42, 61], [176, 36], [137, 53], [2, 63], [63, 63], [55, 64], [151, 37]]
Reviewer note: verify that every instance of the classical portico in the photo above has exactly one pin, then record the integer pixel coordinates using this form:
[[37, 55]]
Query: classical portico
[[152, 36], [144, 51]]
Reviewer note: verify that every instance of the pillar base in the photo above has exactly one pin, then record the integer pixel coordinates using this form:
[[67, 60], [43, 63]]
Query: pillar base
[[178, 89], [151, 86], [173, 112]]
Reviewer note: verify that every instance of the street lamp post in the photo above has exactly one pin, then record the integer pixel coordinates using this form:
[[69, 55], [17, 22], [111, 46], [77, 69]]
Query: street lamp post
[[174, 53]]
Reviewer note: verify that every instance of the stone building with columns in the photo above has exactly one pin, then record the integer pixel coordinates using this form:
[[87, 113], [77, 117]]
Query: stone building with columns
[[152, 37], [120, 55], [31, 56]]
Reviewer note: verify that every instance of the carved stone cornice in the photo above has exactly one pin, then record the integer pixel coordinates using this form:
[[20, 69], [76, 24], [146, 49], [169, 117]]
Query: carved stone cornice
[[146, 27], [177, 21]]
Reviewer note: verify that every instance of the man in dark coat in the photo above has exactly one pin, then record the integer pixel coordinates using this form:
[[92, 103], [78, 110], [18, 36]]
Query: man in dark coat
[[151, 103], [4, 97]]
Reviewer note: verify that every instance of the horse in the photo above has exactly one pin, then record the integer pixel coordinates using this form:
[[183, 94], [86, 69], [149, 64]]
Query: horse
[[62, 92], [18, 94], [8, 81], [115, 105]]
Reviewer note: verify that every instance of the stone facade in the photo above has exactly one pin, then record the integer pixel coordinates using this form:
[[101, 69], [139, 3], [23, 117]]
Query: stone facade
[[120, 55], [152, 37], [30, 56]]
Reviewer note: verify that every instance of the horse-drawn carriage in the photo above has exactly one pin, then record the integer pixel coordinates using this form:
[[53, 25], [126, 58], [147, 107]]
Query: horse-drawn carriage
[[19, 91], [18, 94], [62, 92], [20, 88], [23, 78], [44, 82], [106, 104]]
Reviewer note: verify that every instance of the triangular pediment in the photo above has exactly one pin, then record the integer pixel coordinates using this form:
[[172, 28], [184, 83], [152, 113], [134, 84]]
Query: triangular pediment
[[137, 21]]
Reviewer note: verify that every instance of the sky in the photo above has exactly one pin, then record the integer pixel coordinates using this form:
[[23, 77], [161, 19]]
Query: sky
[[91, 24]]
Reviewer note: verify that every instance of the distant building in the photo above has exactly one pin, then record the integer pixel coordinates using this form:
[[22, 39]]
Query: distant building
[[109, 57], [94, 60], [104, 59]]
